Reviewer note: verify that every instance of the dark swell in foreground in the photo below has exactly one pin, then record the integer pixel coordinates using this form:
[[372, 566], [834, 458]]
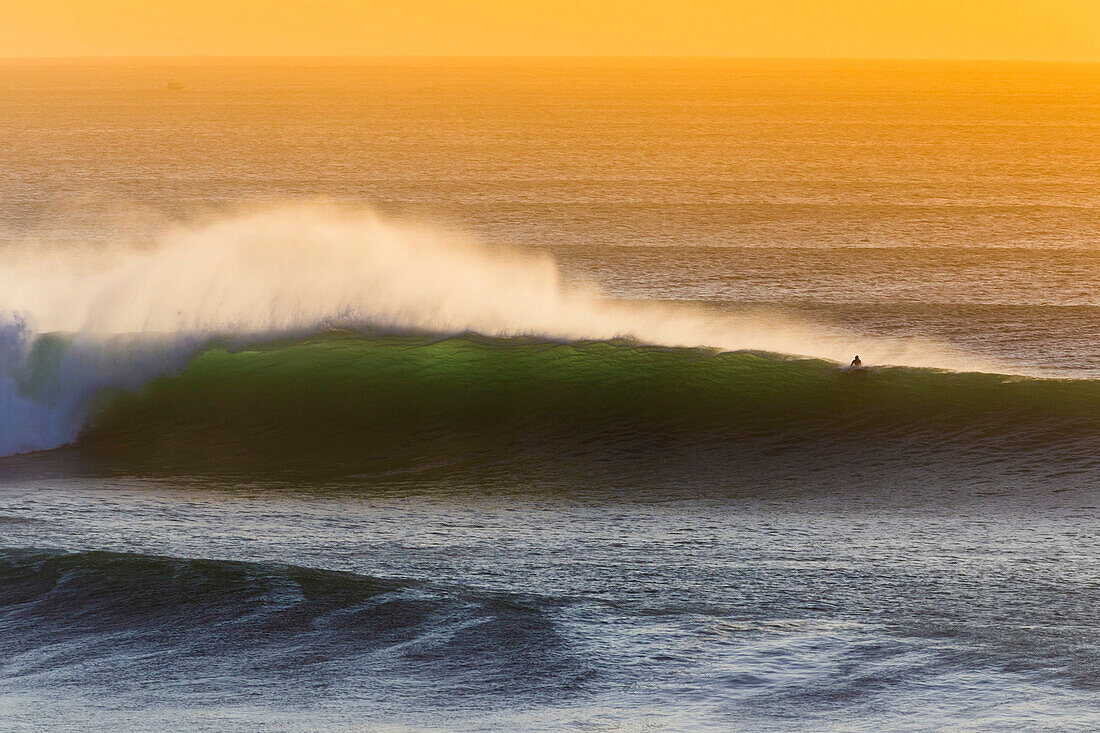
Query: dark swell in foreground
[[185, 625]]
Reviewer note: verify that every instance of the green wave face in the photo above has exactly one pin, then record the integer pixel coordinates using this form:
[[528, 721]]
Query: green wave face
[[342, 404]]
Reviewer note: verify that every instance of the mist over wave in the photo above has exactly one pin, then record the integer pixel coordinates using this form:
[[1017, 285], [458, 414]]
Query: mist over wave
[[129, 314]]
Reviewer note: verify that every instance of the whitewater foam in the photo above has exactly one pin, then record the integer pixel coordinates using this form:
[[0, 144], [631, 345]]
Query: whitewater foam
[[133, 313]]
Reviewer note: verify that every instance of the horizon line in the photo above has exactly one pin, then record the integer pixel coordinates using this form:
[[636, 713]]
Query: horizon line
[[529, 57]]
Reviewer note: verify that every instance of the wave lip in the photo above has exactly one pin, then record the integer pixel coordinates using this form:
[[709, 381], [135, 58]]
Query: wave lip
[[49, 382]]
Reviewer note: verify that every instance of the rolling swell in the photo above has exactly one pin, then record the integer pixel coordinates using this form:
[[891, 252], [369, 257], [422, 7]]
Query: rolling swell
[[126, 619], [344, 404]]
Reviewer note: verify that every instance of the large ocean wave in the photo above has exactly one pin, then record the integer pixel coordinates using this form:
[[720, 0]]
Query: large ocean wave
[[344, 403], [218, 349]]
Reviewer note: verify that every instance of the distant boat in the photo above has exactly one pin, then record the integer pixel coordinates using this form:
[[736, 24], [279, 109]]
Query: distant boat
[[175, 85]]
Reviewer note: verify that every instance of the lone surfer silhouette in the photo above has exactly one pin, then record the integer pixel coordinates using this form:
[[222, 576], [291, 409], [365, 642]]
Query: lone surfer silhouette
[[856, 363]]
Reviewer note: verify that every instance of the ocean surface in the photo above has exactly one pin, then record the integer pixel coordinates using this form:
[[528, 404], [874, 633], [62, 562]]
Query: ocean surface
[[507, 395]]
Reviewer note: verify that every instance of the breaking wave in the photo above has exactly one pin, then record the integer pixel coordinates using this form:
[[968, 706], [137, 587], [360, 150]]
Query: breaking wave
[[348, 404], [86, 327]]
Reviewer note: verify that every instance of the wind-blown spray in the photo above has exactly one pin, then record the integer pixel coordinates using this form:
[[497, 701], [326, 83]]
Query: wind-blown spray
[[132, 313]]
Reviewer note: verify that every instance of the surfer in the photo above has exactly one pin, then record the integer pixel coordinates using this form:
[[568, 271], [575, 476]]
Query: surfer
[[856, 363]]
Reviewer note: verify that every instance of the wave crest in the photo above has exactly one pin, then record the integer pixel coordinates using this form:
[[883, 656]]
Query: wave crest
[[131, 314]]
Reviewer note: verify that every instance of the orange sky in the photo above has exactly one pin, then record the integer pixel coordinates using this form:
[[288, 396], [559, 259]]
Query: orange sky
[[1001, 29]]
